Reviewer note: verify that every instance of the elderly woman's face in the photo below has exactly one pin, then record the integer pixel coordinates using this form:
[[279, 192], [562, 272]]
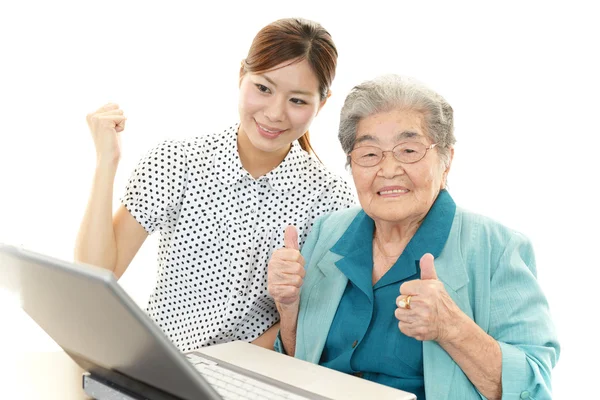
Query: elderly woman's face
[[393, 191]]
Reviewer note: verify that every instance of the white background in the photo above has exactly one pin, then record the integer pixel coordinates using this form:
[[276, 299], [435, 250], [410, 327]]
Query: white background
[[522, 78]]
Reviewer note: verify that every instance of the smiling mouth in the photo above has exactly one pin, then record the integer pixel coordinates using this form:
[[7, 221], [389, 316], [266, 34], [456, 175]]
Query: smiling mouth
[[269, 131], [392, 192]]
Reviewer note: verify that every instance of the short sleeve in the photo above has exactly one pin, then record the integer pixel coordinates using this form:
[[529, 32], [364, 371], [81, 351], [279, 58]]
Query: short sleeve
[[521, 323], [155, 190]]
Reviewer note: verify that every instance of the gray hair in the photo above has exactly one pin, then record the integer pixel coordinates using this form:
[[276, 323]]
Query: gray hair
[[389, 92]]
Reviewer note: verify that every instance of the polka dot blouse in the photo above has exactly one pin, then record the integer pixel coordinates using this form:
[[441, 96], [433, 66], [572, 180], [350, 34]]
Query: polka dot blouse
[[218, 227]]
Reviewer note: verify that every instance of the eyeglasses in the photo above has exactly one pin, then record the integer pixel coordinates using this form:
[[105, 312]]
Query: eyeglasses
[[406, 153]]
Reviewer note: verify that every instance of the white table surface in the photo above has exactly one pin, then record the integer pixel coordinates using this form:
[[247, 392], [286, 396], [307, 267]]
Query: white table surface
[[49, 375]]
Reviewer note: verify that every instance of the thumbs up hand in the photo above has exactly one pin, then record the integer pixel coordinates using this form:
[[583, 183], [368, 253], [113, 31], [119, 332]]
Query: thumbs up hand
[[285, 272], [425, 310]]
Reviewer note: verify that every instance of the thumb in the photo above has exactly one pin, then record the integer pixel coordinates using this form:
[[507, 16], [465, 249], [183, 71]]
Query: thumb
[[290, 238], [427, 267]]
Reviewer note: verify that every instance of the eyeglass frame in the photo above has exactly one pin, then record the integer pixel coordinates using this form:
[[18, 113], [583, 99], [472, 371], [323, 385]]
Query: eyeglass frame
[[427, 148]]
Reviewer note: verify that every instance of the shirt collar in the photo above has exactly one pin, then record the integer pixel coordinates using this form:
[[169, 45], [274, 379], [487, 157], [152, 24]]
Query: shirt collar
[[429, 238], [227, 164], [433, 233], [355, 245], [229, 169], [353, 239], [284, 177], [356, 248]]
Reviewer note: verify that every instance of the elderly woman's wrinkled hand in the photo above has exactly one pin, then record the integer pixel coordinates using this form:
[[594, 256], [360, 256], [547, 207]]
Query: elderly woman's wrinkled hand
[[285, 273], [425, 310]]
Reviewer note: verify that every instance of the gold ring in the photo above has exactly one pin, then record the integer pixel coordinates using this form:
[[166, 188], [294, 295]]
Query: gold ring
[[405, 303]]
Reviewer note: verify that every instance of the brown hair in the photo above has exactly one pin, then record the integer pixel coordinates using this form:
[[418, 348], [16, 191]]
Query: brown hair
[[294, 39]]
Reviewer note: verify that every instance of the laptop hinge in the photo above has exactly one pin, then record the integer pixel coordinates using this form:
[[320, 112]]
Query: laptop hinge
[[118, 381]]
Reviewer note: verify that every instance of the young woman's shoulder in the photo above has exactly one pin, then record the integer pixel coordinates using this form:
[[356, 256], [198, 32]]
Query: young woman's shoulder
[[194, 151], [162, 176], [330, 183], [212, 142], [316, 167]]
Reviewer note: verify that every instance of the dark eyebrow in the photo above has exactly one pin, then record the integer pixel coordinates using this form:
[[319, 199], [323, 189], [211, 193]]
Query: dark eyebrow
[[293, 91], [398, 137]]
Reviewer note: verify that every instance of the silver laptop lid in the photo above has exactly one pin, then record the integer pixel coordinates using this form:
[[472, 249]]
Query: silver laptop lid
[[92, 318]]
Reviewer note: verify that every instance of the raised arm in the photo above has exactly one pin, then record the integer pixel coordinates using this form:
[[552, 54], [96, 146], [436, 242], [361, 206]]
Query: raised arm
[[105, 240]]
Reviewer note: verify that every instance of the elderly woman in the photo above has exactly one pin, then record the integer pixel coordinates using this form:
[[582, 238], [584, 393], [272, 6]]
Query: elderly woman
[[409, 290]]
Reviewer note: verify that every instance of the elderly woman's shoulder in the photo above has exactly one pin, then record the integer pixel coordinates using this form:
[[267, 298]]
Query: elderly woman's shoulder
[[477, 227], [481, 240]]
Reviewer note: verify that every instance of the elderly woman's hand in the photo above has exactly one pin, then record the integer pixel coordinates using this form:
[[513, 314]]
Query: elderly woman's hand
[[425, 310], [285, 273]]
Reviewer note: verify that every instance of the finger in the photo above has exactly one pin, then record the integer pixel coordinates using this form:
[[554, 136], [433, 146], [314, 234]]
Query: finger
[[298, 270], [289, 280], [410, 287], [116, 111], [107, 107], [116, 115], [404, 315], [120, 126], [407, 329], [286, 254], [278, 270], [427, 267], [414, 287], [117, 119], [290, 238]]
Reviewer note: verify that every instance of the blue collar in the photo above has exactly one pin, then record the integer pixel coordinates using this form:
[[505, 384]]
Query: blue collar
[[356, 246]]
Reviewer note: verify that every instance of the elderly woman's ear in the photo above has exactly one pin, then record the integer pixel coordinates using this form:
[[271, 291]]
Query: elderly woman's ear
[[447, 169]]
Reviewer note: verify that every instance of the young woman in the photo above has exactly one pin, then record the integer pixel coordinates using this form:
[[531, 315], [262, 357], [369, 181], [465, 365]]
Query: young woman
[[221, 201]]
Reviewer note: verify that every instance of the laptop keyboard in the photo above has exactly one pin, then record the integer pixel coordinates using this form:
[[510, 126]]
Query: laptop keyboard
[[234, 386]]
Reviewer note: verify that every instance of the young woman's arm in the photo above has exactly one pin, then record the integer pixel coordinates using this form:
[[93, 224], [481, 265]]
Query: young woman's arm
[[106, 241], [103, 240], [267, 339]]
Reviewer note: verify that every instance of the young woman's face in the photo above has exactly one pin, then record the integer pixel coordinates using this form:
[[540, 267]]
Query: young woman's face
[[278, 106]]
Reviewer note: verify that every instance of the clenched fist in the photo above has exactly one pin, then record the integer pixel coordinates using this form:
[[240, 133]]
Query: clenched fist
[[106, 124]]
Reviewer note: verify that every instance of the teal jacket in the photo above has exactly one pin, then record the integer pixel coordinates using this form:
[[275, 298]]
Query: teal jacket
[[487, 269]]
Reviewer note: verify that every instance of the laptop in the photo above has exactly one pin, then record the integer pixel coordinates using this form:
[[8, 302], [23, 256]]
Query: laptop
[[126, 355]]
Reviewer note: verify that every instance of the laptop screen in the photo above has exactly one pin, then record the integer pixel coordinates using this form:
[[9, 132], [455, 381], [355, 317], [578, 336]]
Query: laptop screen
[[93, 319]]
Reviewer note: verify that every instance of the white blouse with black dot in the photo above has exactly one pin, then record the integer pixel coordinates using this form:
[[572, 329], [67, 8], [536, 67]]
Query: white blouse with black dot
[[218, 227]]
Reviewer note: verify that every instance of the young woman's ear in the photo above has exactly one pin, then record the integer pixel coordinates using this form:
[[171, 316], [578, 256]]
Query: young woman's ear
[[324, 101], [242, 72]]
